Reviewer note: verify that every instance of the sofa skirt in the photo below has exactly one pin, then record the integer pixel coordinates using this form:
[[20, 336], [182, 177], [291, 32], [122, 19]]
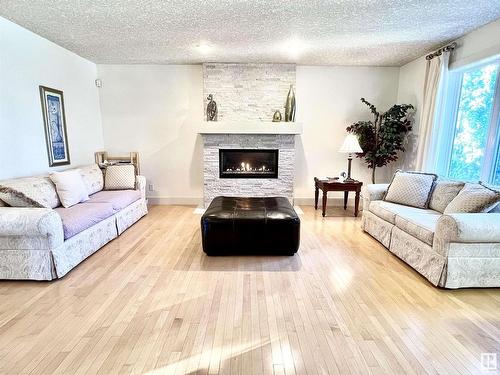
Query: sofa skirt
[[26, 265], [74, 250], [378, 228], [418, 255], [412, 251], [45, 264], [130, 215]]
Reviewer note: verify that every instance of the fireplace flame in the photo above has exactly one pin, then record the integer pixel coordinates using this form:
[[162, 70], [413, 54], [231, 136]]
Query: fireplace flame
[[246, 167]]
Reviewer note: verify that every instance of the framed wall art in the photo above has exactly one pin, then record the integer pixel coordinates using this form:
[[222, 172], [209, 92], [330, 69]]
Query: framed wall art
[[55, 126]]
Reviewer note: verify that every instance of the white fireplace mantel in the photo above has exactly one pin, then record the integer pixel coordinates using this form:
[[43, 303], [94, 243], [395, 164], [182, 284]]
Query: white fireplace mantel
[[250, 127]]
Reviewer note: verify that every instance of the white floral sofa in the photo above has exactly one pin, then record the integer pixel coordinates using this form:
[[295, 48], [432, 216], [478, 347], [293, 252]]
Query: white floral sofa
[[455, 250], [46, 241]]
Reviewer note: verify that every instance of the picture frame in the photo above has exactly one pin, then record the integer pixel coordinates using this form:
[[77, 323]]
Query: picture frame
[[54, 119]]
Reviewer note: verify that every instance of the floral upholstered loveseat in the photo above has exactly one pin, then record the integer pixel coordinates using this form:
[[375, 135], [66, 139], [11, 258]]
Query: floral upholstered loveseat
[[451, 250], [41, 240]]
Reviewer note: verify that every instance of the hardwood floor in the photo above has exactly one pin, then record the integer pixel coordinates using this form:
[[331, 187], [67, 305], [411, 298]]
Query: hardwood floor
[[151, 302]]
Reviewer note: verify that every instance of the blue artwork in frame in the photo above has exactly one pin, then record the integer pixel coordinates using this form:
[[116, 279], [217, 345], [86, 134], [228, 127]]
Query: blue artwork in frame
[[54, 120]]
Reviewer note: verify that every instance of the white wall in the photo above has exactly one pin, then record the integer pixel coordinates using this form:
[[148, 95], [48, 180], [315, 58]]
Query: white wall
[[156, 110], [410, 91], [27, 61], [328, 100], [475, 46]]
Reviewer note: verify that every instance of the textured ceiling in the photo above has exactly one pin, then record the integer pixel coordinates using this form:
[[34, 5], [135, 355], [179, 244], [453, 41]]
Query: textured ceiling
[[339, 32]]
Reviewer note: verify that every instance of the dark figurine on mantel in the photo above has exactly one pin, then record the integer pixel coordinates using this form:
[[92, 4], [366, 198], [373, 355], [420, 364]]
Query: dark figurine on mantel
[[211, 109], [277, 116]]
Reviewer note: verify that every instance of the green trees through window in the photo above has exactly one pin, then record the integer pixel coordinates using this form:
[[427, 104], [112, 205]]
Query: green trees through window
[[473, 122]]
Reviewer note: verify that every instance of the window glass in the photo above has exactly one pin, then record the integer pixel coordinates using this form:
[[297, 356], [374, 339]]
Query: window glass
[[475, 108], [496, 169]]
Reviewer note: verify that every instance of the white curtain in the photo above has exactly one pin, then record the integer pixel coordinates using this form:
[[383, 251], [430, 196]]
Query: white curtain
[[436, 73]]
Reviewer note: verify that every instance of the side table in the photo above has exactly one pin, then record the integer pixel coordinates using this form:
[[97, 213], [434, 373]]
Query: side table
[[336, 185]]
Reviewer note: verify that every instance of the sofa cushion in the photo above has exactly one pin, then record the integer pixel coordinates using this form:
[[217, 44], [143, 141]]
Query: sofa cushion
[[92, 178], [410, 188], [388, 211], [29, 192], [473, 198], [420, 225], [120, 177], [496, 207], [384, 210], [443, 193], [119, 199], [70, 187], [79, 217]]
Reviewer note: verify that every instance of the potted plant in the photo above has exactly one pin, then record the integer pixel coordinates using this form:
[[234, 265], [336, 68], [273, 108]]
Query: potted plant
[[382, 138]]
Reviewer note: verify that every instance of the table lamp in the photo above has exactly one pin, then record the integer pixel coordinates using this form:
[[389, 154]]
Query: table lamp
[[350, 146]]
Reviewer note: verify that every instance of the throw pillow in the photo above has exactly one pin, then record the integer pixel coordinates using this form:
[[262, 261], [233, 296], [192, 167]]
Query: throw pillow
[[92, 178], [119, 177], [473, 198], [496, 207], [70, 187], [443, 193], [410, 188], [29, 192]]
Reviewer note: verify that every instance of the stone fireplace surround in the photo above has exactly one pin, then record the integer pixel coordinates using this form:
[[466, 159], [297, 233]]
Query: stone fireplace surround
[[248, 187], [247, 96], [270, 136]]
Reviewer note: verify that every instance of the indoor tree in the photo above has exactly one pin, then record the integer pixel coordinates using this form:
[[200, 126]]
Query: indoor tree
[[382, 138]]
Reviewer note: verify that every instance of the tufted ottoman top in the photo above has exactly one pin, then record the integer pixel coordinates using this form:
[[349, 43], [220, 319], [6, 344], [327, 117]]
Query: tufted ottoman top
[[241, 225]]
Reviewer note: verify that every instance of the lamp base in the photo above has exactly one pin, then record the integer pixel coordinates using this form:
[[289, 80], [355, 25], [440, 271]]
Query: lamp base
[[349, 161]]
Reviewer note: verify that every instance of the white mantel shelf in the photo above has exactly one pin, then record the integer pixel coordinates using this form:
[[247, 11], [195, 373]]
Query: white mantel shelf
[[254, 127]]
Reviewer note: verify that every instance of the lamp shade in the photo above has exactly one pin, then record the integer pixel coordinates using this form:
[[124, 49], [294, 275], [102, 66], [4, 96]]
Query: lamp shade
[[351, 145]]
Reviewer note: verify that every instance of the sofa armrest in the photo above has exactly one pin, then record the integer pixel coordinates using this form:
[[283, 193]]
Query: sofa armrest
[[140, 183], [373, 192], [32, 222], [469, 227]]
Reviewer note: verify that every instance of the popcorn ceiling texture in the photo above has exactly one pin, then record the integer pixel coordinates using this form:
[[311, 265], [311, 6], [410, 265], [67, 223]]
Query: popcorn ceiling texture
[[214, 186], [322, 32], [248, 92]]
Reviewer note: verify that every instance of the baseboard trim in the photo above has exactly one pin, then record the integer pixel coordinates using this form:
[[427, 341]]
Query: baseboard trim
[[303, 201], [179, 201], [198, 201], [333, 201]]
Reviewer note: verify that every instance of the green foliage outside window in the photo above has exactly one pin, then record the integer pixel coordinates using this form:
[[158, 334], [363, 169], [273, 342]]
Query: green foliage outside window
[[472, 126]]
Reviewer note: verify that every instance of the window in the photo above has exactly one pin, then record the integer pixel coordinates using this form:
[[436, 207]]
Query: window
[[470, 146]]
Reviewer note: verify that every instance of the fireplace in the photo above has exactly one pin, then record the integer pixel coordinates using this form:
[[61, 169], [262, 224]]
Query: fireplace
[[248, 163]]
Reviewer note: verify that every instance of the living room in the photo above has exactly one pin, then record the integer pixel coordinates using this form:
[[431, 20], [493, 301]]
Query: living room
[[250, 187]]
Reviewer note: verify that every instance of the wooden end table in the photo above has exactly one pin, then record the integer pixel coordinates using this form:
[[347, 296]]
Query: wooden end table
[[336, 185]]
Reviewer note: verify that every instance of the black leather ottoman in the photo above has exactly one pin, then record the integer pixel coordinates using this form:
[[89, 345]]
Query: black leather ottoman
[[256, 226]]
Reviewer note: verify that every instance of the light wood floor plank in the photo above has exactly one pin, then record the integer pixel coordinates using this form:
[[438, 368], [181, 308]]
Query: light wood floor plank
[[151, 302]]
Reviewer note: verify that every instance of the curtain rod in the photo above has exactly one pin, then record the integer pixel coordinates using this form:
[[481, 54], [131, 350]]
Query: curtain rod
[[447, 48]]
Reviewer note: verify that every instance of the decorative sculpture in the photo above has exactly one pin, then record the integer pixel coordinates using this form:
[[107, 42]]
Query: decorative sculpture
[[277, 116], [211, 109], [290, 106]]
